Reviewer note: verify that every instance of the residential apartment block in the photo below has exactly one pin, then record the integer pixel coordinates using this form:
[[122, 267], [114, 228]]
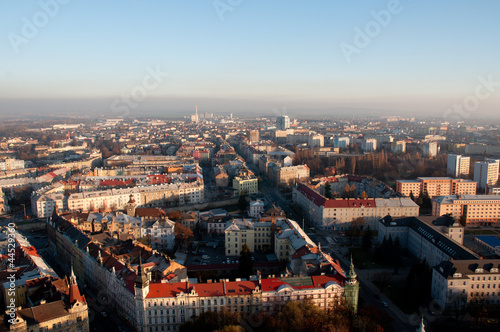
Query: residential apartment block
[[486, 172], [430, 149], [285, 176], [43, 204], [338, 213], [476, 209], [11, 164], [436, 186], [458, 166]]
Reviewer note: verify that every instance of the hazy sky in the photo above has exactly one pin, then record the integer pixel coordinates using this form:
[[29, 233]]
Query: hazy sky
[[243, 55]]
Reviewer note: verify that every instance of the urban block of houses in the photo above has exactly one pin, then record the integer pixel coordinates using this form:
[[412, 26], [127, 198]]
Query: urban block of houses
[[168, 305], [337, 213]]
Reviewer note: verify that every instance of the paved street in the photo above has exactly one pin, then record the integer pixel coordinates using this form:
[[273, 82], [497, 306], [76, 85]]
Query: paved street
[[368, 290]]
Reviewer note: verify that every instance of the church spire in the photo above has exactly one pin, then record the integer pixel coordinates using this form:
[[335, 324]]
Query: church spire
[[142, 279], [72, 277], [351, 274], [74, 292], [351, 288], [421, 327]]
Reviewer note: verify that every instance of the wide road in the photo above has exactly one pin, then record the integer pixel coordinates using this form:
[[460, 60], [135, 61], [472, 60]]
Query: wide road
[[367, 290]]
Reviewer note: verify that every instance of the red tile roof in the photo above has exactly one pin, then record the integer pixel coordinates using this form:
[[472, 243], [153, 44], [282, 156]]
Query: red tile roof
[[112, 183], [160, 290], [320, 200]]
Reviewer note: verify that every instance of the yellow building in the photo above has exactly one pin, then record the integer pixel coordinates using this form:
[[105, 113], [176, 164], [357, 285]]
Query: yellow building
[[436, 186], [283, 235], [246, 184], [476, 209]]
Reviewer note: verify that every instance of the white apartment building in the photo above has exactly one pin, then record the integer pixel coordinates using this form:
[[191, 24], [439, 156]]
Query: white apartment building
[[116, 199], [341, 142], [282, 122], [458, 282], [430, 149], [256, 209], [458, 166], [369, 144], [477, 209], [486, 172], [338, 213], [398, 147], [11, 164]]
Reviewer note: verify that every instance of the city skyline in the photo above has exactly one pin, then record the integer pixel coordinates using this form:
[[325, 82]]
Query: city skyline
[[382, 58]]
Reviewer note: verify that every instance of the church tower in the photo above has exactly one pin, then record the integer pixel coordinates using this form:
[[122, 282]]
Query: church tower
[[77, 302], [421, 327], [130, 206], [141, 291], [351, 288]]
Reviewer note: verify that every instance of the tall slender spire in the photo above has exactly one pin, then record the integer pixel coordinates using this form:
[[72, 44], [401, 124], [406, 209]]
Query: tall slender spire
[[352, 273], [421, 327], [142, 278], [72, 277], [74, 292]]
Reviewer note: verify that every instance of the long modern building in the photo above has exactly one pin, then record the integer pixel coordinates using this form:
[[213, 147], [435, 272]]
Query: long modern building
[[458, 166], [436, 186], [425, 237], [478, 210], [337, 213], [486, 172]]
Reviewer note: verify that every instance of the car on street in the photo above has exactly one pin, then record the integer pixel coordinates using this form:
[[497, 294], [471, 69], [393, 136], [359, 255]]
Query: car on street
[[384, 304], [104, 314]]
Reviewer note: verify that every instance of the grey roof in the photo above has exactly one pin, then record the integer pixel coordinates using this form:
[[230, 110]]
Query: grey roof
[[467, 267], [428, 233]]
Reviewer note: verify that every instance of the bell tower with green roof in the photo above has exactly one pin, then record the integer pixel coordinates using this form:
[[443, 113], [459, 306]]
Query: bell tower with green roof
[[351, 288]]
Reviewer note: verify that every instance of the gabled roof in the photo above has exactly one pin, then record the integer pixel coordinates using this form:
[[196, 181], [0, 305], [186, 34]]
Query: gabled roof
[[320, 200]]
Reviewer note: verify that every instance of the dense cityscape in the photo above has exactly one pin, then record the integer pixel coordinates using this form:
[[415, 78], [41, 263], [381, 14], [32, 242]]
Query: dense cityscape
[[248, 166], [142, 224]]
